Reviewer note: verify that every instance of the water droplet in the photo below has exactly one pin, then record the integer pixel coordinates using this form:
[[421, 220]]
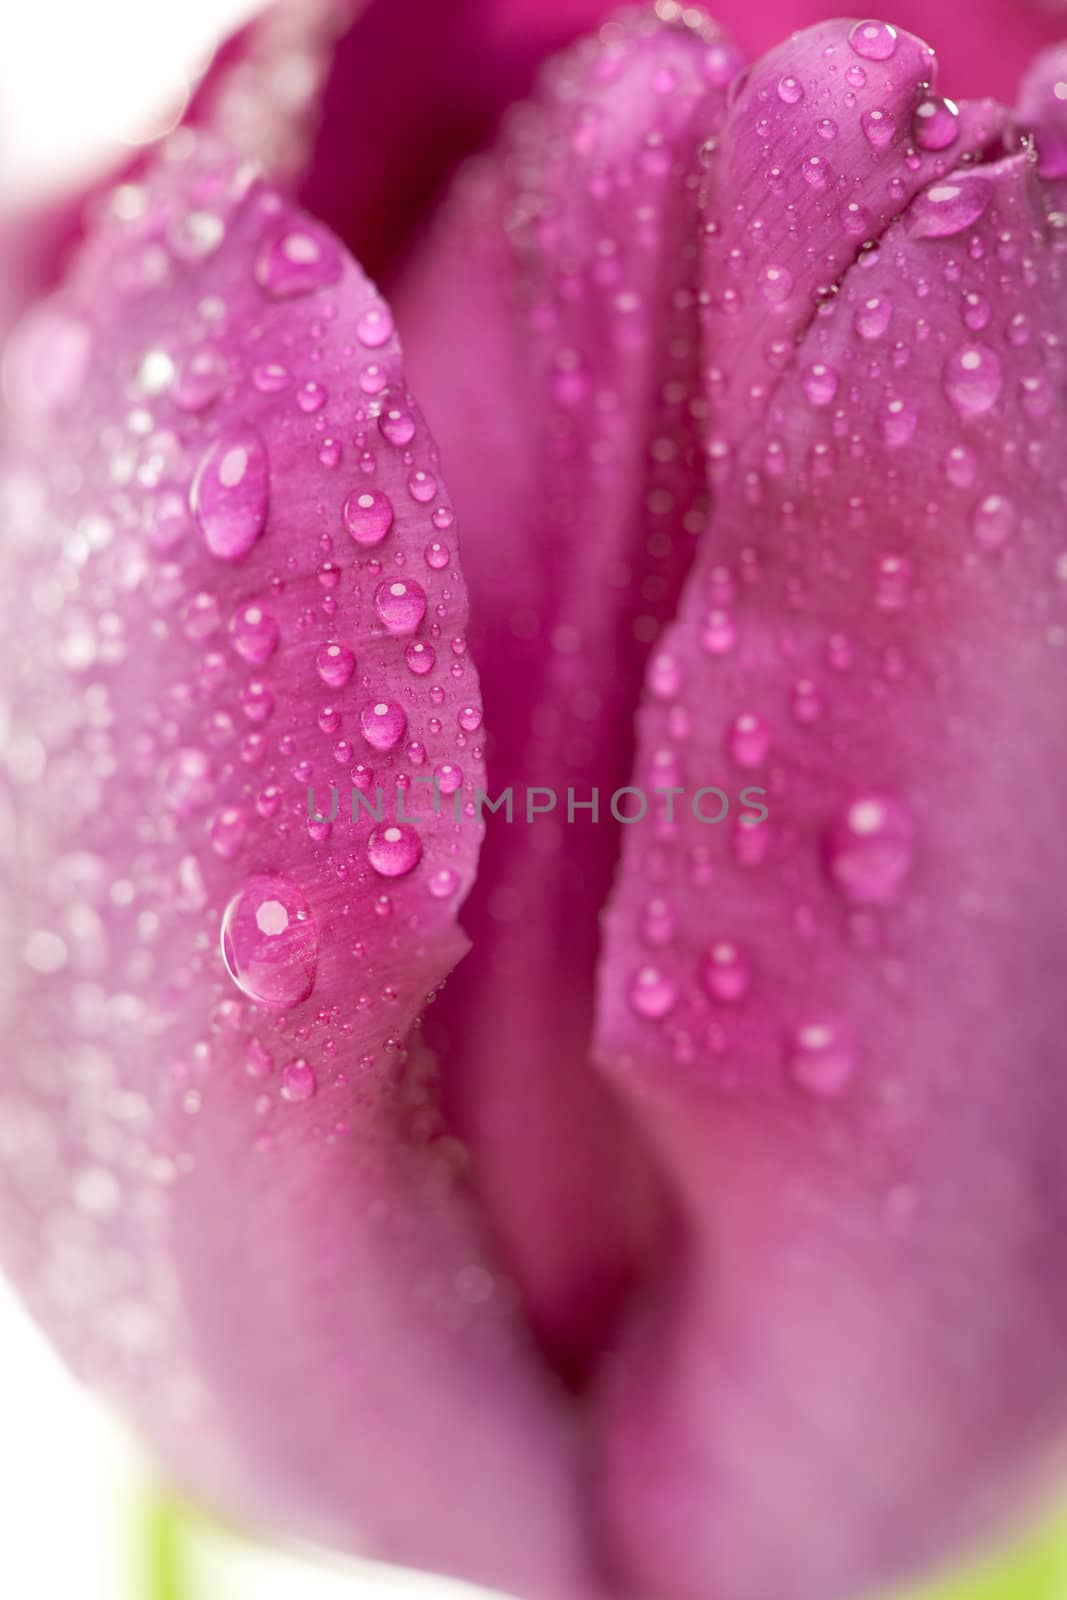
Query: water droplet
[[937, 124], [311, 397], [397, 425], [200, 380], [993, 521], [298, 1081], [652, 994], [874, 41], [368, 515], [870, 849], [949, 207], [748, 740], [775, 284], [790, 90], [420, 658], [819, 383], [298, 260], [394, 850], [879, 127], [873, 317], [898, 423], [665, 676], [401, 605], [269, 942], [383, 724], [254, 633], [727, 972], [437, 555], [973, 379], [816, 170], [335, 664], [719, 634], [961, 466], [229, 494], [820, 1058], [442, 883], [893, 575], [375, 326]]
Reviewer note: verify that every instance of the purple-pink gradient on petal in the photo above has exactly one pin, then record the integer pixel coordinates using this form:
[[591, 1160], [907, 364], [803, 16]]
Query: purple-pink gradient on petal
[[702, 1235]]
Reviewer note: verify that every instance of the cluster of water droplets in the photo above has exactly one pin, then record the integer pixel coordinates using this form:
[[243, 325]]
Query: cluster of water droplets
[[899, 443]]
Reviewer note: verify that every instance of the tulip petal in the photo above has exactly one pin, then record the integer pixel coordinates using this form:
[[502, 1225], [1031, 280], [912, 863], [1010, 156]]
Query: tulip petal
[[849, 1053], [560, 290], [226, 1188]]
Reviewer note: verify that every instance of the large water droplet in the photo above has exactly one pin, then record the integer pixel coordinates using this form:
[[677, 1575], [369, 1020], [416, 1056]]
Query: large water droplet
[[297, 260], [254, 633], [870, 849], [401, 605], [383, 724], [874, 41], [335, 664], [368, 515], [652, 993], [949, 207], [269, 941], [993, 521], [937, 124], [973, 379], [229, 494], [394, 850]]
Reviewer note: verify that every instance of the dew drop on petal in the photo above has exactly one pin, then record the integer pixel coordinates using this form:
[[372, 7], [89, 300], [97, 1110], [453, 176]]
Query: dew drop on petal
[[368, 515], [269, 941], [297, 261], [394, 850], [397, 425], [993, 521], [443, 883], [375, 326], [973, 379], [727, 972], [400, 604], [298, 1081], [383, 724], [820, 1058], [874, 41], [254, 633], [748, 740], [878, 127], [229, 494], [652, 994], [420, 658], [870, 849], [936, 124], [948, 207], [819, 383], [335, 664]]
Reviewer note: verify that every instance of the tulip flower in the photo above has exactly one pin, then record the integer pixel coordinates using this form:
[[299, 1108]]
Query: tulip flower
[[653, 1196]]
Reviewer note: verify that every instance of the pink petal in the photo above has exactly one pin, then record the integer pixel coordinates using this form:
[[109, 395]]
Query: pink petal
[[849, 1055], [572, 325], [231, 1199]]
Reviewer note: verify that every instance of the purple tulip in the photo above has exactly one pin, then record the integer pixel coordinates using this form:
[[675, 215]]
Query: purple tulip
[[705, 1235]]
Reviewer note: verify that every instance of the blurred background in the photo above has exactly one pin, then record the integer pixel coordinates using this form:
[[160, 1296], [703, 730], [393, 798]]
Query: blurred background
[[80, 1515]]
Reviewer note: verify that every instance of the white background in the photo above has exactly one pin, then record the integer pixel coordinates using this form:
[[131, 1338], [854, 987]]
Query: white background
[[76, 78]]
